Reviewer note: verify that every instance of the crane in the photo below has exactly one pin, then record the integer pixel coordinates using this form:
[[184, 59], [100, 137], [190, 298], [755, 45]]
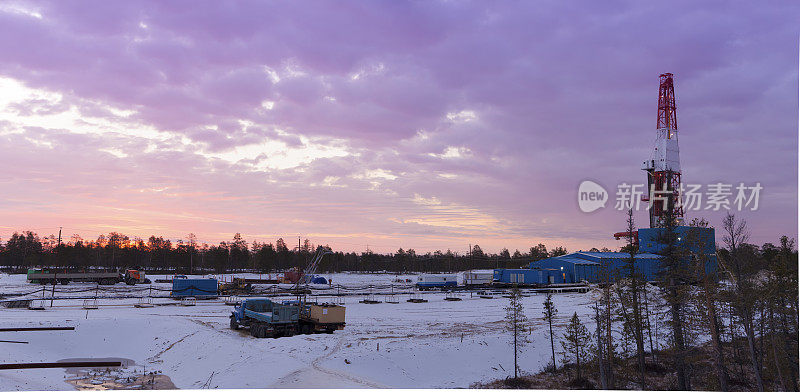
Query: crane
[[311, 268]]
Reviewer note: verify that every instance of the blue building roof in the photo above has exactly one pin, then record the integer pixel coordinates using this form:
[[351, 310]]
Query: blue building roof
[[587, 266], [615, 255], [573, 259]]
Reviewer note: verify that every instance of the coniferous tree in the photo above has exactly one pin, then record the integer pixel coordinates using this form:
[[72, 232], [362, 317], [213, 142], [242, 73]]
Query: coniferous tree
[[708, 296], [635, 284], [549, 313], [674, 275], [577, 343], [516, 322]]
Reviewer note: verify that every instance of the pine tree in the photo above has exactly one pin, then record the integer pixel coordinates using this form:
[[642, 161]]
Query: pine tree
[[674, 274], [549, 313], [516, 323], [707, 297], [635, 283], [577, 343]]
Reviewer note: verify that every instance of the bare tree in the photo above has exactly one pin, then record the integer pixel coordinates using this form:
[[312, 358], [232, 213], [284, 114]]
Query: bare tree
[[600, 364], [735, 237]]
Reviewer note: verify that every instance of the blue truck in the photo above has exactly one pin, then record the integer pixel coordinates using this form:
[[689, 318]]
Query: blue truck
[[266, 318]]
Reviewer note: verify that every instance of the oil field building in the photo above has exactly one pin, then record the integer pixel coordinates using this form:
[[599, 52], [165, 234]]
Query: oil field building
[[591, 266]]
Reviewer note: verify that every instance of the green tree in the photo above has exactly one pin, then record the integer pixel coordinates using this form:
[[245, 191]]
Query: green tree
[[516, 323], [634, 288], [577, 343], [538, 252], [674, 274], [558, 251], [549, 313]]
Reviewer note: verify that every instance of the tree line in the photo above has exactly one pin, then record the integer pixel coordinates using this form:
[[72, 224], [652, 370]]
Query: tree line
[[115, 250]]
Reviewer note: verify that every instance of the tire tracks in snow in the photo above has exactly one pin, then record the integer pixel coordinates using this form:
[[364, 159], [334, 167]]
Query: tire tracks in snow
[[315, 364], [308, 373], [155, 357]]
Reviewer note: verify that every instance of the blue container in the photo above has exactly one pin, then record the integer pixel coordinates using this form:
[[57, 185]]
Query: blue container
[[198, 288], [319, 280], [523, 276]]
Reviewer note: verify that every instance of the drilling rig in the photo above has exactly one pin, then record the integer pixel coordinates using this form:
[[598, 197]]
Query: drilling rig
[[664, 168]]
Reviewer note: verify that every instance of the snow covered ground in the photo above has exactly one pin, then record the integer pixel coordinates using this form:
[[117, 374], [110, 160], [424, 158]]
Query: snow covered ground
[[438, 344]]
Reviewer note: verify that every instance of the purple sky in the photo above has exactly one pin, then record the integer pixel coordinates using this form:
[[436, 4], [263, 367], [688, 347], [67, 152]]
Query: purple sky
[[426, 125]]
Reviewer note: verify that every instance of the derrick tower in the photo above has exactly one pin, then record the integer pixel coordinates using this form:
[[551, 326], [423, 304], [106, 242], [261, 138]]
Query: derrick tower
[[664, 168]]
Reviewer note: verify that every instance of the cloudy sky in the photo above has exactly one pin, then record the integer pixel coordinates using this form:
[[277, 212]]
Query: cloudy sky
[[426, 125]]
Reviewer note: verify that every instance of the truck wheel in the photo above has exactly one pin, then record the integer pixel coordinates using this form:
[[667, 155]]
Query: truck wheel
[[234, 324], [130, 281], [63, 281], [254, 330]]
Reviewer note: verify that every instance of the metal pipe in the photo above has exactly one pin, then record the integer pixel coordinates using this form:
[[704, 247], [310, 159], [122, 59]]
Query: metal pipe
[[37, 329], [45, 365]]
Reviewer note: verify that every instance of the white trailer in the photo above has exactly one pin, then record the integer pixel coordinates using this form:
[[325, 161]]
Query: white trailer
[[478, 277]]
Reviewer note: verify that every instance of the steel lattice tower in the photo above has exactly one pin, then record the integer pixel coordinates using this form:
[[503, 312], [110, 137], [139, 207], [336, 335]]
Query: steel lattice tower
[[664, 168]]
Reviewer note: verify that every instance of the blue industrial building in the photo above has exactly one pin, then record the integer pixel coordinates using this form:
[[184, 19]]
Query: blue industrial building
[[695, 239], [590, 266], [525, 276]]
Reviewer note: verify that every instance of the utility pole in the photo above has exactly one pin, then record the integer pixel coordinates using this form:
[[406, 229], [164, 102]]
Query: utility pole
[[469, 252], [58, 247]]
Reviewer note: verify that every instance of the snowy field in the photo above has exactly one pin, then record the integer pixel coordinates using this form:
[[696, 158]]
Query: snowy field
[[438, 344]]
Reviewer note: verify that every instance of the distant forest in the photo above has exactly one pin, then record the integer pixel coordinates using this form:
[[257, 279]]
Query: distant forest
[[156, 254]]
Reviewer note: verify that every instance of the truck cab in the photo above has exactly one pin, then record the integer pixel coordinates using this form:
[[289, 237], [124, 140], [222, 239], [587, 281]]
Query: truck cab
[[132, 277]]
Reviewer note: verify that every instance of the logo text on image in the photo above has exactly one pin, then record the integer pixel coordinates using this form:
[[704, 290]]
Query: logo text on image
[[591, 196]]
